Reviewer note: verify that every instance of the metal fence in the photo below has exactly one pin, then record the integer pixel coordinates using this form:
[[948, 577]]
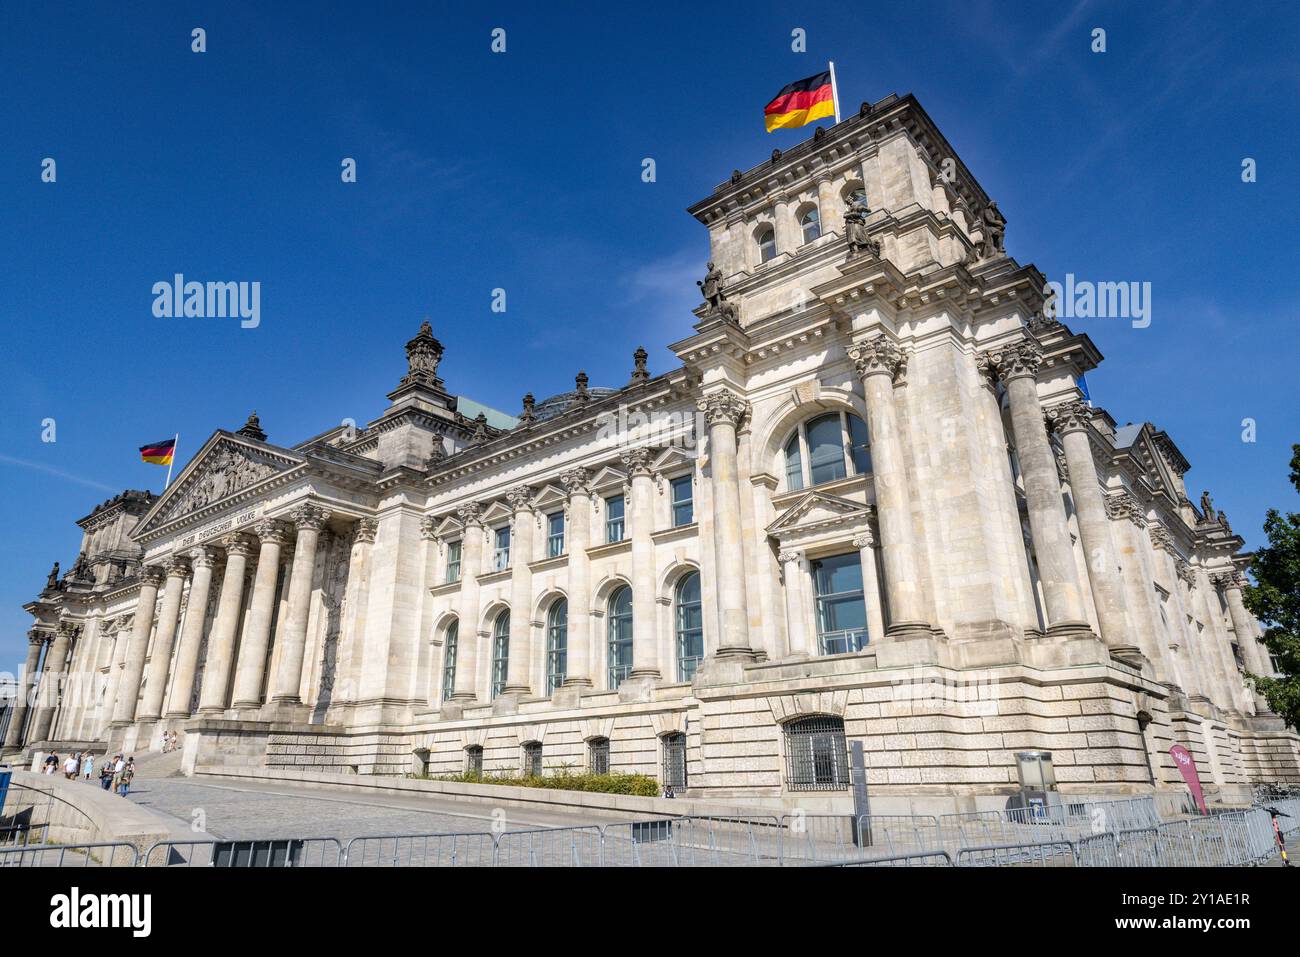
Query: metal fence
[[1078, 834], [94, 854]]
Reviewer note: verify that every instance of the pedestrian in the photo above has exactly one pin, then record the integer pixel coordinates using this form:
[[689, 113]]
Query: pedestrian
[[88, 766], [106, 774], [173, 740], [125, 777], [70, 767], [166, 740], [51, 762]]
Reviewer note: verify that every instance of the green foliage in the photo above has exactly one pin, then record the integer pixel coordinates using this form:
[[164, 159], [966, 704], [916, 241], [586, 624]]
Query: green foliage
[[564, 778], [1275, 600]]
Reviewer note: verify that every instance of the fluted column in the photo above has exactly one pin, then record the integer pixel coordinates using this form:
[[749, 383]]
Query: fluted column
[[795, 569], [1217, 650], [471, 566], [352, 632], [878, 360], [128, 688], [51, 681], [1017, 366], [26, 689], [308, 520], [116, 668], [520, 658], [1243, 624], [250, 674], [865, 544], [1071, 422], [213, 697], [86, 661], [645, 634], [203, 559], [1194, 677], [578, 536], [724, 410], [178, 569], [1130, 524]]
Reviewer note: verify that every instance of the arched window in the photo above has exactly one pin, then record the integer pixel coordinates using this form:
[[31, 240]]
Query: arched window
[[855, 195], [557, 645], [598, 755], [766, 238], [532, 759], [449, 660], [620, 635], [674, 771], [829, 447], [690, 626], [500, 652], [811, 224], [816, 754], [474, 759]]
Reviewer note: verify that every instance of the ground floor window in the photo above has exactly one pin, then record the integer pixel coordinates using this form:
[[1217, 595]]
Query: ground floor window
[[474, 759], [533, 759], [449, 660], [841, 605], [598, 755], [674, 760], [816, 754], [557, 645]]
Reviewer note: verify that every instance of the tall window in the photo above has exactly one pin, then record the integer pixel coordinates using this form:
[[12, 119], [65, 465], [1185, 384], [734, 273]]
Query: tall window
[[683, 501], [674, 760], [501, 549], [614, 518], [598, 755], [554, 534], [453, 561], [620, 635], [811, 225], [829, 447], [766, 244], [449, 660], [474, 759], [557, 645], [533, 759], [500, 652], [816, 754], [690, 627], [841, 609]]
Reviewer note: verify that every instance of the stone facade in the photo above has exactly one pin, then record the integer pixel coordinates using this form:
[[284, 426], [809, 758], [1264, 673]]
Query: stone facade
[[868, 502]]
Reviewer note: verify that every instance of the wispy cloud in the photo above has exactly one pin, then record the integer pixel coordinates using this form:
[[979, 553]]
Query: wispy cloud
[[50, 470]]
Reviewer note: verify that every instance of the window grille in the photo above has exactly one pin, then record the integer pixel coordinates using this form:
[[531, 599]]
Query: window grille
[[816, 755]]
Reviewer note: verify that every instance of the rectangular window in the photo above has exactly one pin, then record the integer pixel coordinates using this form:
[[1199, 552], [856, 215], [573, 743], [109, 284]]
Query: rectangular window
[[501, 549], [683, 501], [598, 752], [841, 608], [554, 534], [453, 561], [614, 519]]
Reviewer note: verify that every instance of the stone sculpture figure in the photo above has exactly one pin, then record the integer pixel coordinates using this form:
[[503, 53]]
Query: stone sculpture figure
[[52, 580], [1207, 506], [855, 228], [716, 296], [994, 224]]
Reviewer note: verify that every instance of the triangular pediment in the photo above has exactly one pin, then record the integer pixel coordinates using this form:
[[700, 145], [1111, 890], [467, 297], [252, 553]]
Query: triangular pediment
[[550, 497], [815, 509], [227, 466], [1146, 454], [673, 458]]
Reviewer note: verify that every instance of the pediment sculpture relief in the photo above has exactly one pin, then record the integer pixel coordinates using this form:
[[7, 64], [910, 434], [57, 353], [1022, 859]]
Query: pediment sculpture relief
[[226, 471]]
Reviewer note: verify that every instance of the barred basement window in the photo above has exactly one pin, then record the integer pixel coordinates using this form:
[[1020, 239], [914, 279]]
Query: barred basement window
[[533, 759], [816, 755], [474, 759], [598, 755], [675, 760]]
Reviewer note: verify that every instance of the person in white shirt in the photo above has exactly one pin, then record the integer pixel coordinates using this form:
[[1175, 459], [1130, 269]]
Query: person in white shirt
[[70, 767]]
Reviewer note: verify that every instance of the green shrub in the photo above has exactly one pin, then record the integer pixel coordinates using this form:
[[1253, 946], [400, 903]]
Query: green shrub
[[562, 779]]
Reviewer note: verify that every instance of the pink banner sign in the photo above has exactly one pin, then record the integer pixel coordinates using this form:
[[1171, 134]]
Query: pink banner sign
[[1187, 766]]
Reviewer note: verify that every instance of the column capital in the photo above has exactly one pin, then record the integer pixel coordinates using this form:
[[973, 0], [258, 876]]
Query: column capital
[[309, 516], [788, 555], [238, 544], [364, 531], [576, 481], [37, 637], [178, 566], [878, 355], [470, 515], [864, 539], [1228, 580], [1013, 361], [520, 498], [1073, 416], [272, 531], [723, 406], [637, 461], [1161, 539], [429, 528], [1185, 572], [1121, 505], [205, 556], [65, 628], [151, 575]]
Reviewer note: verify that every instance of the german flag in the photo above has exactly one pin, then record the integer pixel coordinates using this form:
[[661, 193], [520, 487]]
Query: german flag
[[158, 453], [800, 103]]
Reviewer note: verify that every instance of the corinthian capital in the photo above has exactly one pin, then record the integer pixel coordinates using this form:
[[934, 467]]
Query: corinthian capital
[[723, 406], [519, 498], [309, 517], [1161, 539], [878, 355], [1068, 417], [364, 531], [238, 544], [1227, 580], [272, 530], [637, 461], [1013, 361], [178, 566], [470, 515], [576, 481], [204, 556], [1121, 505], [152, 575]]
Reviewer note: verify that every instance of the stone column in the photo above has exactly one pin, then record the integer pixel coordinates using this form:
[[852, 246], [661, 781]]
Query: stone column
[[128, 688], [202, 559], [1196, 682], [724, 410], [578, 673], [116, 667], [14, 736], [471, 566], [1071, 422], [1243, 624], [352, 631], [1144, 614], [878, 360], [1017, 366], [178, 569], [213, 697], [520, 660], [1218, 650], [86, 662], [250, 675], [645, 633], [866, 545], [309, 520], [796, 607], [51, 680]]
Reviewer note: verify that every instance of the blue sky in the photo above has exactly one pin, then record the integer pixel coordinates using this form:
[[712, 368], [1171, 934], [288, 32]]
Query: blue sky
[[522, 171]]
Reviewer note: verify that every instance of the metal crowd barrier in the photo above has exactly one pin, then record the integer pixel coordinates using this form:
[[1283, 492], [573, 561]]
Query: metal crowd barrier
[[94, 854], [277, 852], [1045, 854]]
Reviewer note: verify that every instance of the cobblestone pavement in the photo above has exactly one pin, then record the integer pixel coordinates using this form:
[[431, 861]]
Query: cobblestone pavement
[[241, 809]]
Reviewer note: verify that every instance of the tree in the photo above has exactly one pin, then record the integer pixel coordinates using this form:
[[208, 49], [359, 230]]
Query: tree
[[1275, 600]]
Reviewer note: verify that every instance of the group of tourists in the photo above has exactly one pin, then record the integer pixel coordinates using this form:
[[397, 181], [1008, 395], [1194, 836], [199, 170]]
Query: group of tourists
[[115, 775], [168, 741]]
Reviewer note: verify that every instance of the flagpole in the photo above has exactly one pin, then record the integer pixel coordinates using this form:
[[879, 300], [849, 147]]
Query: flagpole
[[835, 92], [175, 441]]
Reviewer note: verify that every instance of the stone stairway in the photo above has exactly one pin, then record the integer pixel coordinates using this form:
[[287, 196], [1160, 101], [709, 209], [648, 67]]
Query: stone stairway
[[154, 764]]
